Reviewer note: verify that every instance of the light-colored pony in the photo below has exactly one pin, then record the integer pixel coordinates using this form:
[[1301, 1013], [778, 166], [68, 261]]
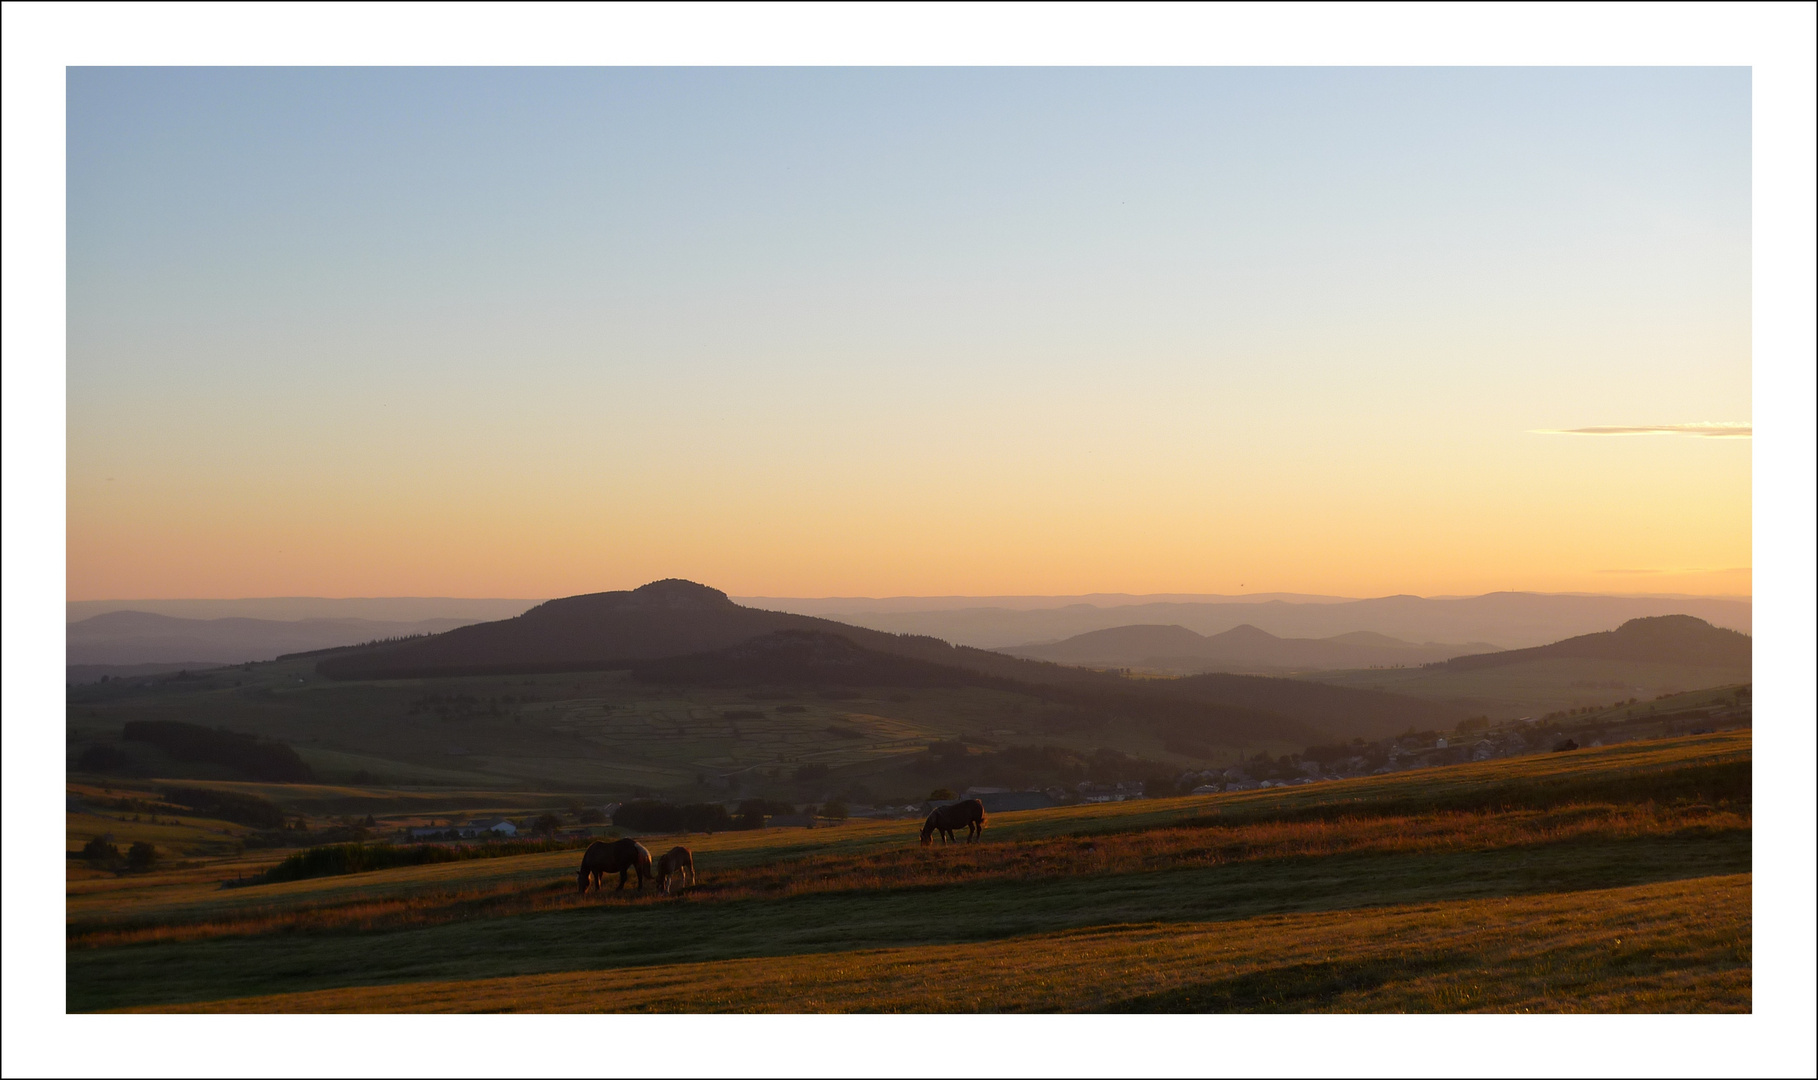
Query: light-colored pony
[[678, 863]]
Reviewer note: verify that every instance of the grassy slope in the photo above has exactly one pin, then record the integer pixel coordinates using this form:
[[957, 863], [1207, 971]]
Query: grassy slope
[[1674, 947], [515, 917]]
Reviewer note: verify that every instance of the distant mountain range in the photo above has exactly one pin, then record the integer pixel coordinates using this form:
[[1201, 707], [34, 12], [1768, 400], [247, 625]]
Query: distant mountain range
[[1242, 648], [140, 637], [462, 609], [1510, 620]]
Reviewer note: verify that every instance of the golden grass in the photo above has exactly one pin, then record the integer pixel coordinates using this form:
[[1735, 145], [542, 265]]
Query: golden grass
[[547, 884], [183, 899], [1681, 946]]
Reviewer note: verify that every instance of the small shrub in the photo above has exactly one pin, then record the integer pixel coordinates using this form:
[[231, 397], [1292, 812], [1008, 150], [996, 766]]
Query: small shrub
[[258, 758], [227, 806], [940, 793], [811, 772], [100, 850], [141, 856], [834, 810]]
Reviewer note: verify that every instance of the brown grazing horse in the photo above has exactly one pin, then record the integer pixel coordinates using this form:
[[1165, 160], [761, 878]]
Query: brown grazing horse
[[945, 819], [677, 862], [619, 857]]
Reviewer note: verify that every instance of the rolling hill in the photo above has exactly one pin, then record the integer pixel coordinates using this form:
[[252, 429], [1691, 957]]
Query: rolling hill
[[1242, 648], [1643, 658], [1664, 639]]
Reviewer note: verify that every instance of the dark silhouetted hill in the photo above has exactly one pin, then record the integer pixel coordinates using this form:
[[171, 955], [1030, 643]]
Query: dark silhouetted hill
[[1662, 639], [680, 632], [594, 631], [806, 658]]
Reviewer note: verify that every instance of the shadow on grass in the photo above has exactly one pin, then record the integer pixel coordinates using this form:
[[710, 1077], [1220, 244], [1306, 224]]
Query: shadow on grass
[[601, 938], [1292, 988]]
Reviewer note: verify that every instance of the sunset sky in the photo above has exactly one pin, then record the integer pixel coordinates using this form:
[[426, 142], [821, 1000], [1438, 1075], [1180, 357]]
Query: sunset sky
[[907, 331]]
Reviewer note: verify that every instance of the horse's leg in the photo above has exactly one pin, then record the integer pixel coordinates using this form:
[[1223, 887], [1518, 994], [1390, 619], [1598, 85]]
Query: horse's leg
[[622, 874]]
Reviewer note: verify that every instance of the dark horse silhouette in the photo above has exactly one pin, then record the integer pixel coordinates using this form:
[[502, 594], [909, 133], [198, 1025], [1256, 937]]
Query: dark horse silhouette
[[945, 819], [619, 856]]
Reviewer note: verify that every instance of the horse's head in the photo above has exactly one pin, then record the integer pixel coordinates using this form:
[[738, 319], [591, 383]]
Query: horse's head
[[581, 878], [928, 831]]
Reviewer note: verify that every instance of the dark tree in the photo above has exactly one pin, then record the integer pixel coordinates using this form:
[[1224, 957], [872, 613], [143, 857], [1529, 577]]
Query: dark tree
[[141, 856]]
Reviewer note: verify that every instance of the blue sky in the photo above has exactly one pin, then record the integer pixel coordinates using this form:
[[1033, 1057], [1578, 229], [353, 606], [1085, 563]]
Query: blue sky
[[897, 329]]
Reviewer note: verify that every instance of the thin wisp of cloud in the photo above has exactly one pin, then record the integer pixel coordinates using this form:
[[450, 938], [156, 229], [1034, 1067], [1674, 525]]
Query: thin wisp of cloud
[[1678, 570], [1706, 429]]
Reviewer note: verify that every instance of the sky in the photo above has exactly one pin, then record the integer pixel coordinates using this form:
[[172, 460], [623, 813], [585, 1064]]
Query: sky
[[899, 331]]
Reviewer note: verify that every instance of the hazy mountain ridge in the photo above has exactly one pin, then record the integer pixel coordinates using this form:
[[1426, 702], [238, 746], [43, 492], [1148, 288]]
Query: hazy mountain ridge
[[294, 608], [1242, 648], [1511, 620], [139, 637]]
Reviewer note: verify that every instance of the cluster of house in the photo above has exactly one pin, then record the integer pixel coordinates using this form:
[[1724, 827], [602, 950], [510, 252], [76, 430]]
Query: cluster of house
[[1392, 756], [478, 829], [1213, 781]]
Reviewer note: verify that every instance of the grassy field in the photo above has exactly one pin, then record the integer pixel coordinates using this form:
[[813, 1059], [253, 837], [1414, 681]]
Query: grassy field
[[1675, 947], [1611, 879]]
